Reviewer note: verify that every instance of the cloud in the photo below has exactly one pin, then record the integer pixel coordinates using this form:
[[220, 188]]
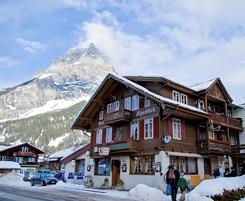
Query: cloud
[[31, 46], [6, 62]]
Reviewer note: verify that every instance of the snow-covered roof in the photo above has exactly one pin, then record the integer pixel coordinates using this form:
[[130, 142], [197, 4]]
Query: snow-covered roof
[[161, 98], [5, 147], [9, 165], [65, 153], [202, 85]]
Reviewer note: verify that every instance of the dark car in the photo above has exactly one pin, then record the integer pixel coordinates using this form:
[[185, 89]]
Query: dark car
[[43, 177], [27, 175]]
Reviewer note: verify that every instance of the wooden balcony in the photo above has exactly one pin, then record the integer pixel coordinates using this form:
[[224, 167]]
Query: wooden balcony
[[24, 154], [226, 121], [118, 117], [214, 147], [135, 146], [238, 148]]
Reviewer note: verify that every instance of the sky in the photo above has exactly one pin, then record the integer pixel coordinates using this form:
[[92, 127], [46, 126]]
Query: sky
[[186, 41]]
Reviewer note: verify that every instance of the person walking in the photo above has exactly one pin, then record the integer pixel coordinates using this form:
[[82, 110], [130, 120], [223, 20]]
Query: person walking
[[173, 176], [183, 185], [167, 181]]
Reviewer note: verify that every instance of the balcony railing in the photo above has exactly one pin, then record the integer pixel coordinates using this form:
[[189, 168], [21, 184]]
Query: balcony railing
[[226, 121], [238, 148], [24, 153], [119, 116], [214, 146]]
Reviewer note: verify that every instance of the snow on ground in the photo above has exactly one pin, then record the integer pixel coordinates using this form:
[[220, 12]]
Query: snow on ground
[[217, 186], [145, 193], [13, 179]]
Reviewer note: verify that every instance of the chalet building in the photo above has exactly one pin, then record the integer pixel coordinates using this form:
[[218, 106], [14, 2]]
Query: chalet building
[[25, 154], [140, 125]]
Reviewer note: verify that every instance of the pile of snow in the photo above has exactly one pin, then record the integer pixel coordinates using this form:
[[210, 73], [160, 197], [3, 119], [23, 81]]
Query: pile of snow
[[212, 187], [13, 179], [9, 165], [145, 193]]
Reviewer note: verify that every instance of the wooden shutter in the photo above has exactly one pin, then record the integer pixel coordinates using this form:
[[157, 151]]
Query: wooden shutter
[[103, 135], [183, 129], [170, 126], [128, 131], [93, 138], [141, 102], [113, 134], [156, 127], [141, 129]]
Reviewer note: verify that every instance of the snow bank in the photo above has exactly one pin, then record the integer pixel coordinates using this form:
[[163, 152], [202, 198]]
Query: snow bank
[[145, 193], [13, 179], [212, 187], [9, 165]]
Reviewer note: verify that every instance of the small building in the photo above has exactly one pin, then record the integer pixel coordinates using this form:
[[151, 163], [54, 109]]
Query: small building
[[25, 154], [9, 166], [71, 162]]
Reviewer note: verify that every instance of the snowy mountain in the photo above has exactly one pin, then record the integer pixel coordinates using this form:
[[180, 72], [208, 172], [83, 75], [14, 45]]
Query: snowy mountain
[[68, 81]]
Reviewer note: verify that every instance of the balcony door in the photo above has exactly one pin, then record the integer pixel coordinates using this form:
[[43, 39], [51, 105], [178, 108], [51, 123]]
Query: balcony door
[[115, 172]]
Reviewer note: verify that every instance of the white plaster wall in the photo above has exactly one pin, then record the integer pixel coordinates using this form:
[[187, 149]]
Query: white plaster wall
[[69, 167], [200, 166]]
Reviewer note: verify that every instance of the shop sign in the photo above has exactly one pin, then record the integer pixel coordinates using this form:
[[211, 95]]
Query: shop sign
[[145, 112], [104, 151], [166, 139]]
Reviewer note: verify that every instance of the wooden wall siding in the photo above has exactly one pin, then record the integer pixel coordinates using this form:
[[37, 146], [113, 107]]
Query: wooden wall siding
[[217, 92], [141, 129], [188, 142], [156, 127]]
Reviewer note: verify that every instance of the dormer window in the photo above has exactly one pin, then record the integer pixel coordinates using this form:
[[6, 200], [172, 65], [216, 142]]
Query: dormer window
[[201, 105], [147, 102], [24, 149], [179, 97]]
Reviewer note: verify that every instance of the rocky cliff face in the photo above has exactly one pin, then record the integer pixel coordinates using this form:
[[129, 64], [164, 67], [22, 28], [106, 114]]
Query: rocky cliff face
[[69, 80]]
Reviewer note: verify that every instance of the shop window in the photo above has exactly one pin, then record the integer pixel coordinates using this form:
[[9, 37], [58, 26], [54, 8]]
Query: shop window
[[142, 165], [135, 130], [148, 128], [187, 165], [102, 167], [176, 129]]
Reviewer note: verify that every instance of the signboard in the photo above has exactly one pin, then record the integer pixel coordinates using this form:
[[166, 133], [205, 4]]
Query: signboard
[[40, 158], [104, 151], [145, 111], [71, 175], [79, 176]]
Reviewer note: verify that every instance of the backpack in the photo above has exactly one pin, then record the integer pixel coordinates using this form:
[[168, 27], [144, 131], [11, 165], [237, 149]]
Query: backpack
[[171, 175]]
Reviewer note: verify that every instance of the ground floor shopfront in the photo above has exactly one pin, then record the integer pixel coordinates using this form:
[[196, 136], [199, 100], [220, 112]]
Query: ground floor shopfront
[[150, 169]]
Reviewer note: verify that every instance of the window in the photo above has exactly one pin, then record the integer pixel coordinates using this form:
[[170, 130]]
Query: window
[[101, 115], [187, 165], [147, 102], [202, 134], [135, 102], [135, 130], [176, 129], [183, 99], [99, 136], [24, 149], [113, 107], [31, 160], [176, 96], [127, 103], [148, 128], [211, 135], [142, 165], [102, 167], [179, 97], [201, 105], [108, 135], [120, 132]]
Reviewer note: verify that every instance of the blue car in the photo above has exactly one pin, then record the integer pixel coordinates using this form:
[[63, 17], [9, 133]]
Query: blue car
[[43, 177]]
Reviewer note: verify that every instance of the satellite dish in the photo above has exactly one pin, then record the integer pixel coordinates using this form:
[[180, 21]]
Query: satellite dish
[[166, 139]]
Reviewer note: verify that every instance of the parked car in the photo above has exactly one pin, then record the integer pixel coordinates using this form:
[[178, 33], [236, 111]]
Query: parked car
[[43, 177], [28, 175]]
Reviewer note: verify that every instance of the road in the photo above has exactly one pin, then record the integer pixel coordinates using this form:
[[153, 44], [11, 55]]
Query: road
[[9, 193]]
